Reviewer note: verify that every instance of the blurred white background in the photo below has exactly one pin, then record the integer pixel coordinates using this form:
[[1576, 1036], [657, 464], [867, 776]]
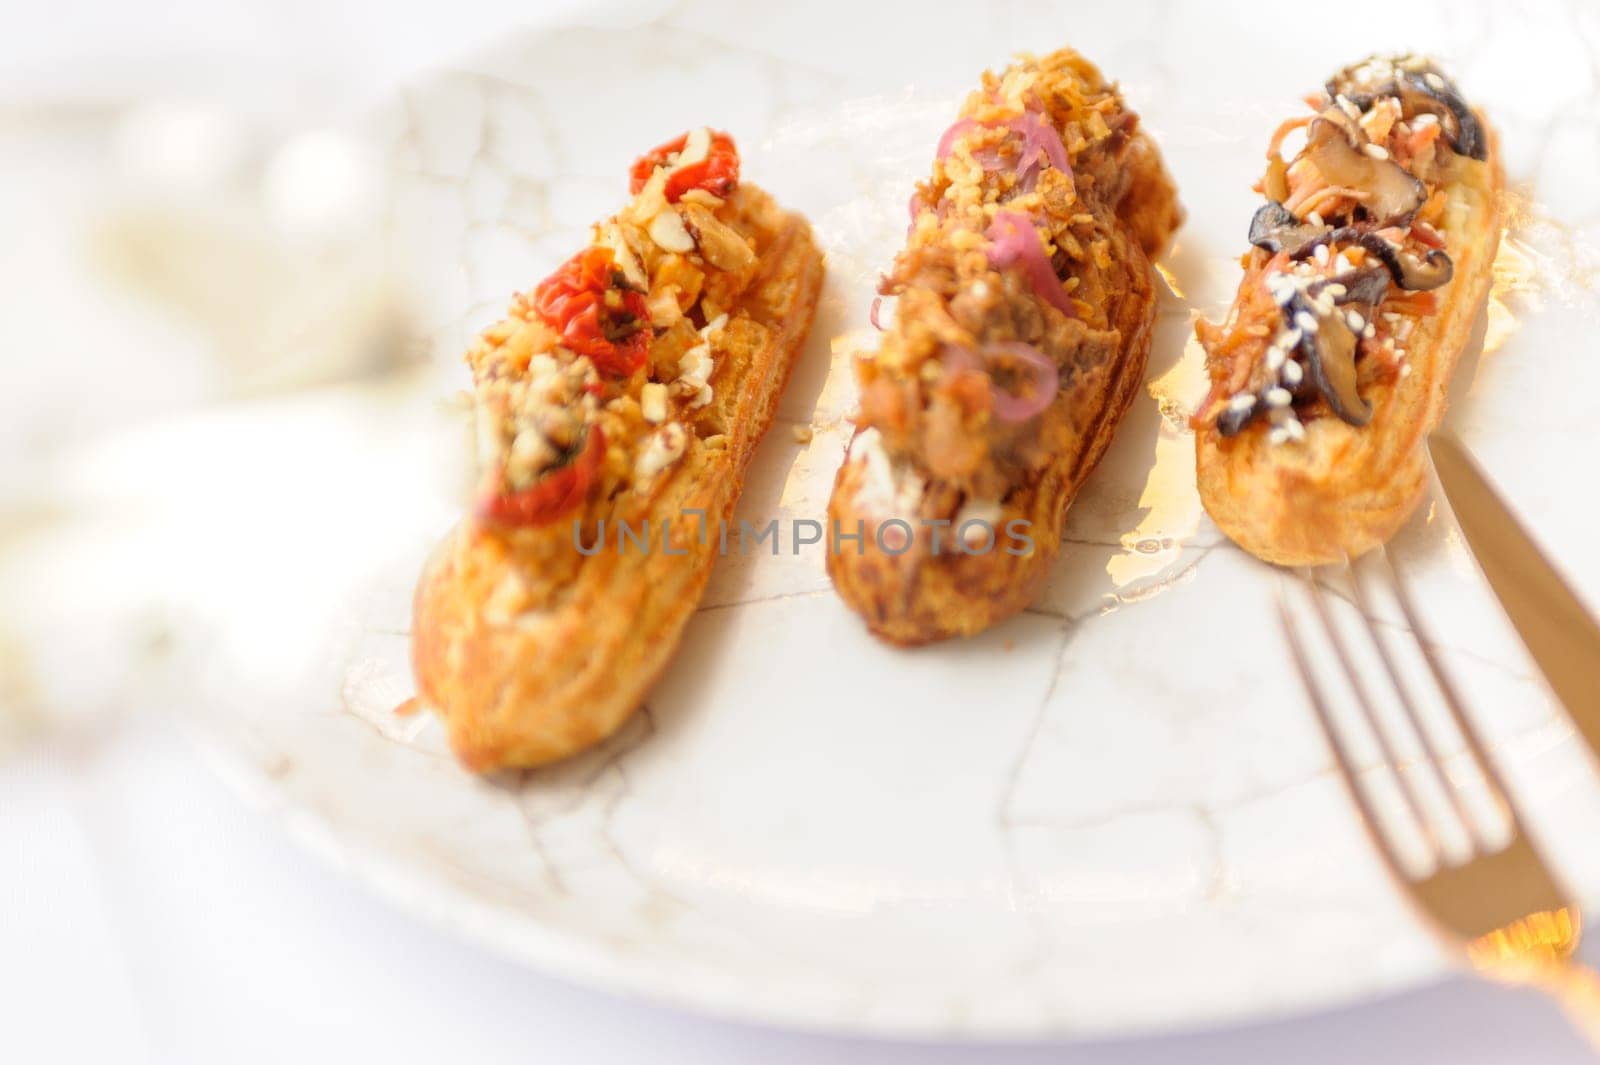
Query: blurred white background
[[146, 913]]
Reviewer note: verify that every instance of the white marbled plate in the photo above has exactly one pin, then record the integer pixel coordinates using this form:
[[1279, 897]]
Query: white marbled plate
[[1111, 814]]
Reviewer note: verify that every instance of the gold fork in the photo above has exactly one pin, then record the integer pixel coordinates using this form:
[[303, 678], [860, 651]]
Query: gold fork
[[1502, 905]]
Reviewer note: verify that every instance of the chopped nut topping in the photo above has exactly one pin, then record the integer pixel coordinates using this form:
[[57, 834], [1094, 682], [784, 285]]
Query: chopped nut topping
[[664, 447], [722, 246], [695, 148], [553, 416], [653, 402], [610, 235], [668, 232]]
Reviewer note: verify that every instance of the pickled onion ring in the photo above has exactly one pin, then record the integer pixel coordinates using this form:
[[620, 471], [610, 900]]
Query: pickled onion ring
[[1038, 138], [1043, 378], [1015, 241], [1043, 381], [948, 140]]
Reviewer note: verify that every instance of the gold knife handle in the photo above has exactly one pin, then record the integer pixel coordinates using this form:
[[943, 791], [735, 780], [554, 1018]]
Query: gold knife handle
[[1559, 633]]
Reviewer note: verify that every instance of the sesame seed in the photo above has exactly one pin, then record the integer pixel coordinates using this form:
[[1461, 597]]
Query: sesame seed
[[1390, 317], [1290, 339], [1321, 255], [1370, 331], [1242, 402], [1336, 290], [1405, 371], [1315, 219], [1275, 357], [1292, 373], [1294, 429], [1353, 320], [1377, 151], [1434, 81], [1304, 322], [1277, 435], [1278, 397]]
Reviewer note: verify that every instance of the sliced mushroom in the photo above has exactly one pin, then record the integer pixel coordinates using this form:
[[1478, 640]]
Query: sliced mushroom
[[1323, 359], [1329, 353], [1364, 82], [1431, 92], [1275, 228], [1346, 125], [1422, 89], [1365, 285], [1430, 271], [1408, 271], [1390, 195]]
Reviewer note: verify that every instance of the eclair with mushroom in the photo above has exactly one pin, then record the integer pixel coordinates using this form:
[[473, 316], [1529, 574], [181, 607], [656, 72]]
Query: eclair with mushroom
[[629, 388], [1369, 262]]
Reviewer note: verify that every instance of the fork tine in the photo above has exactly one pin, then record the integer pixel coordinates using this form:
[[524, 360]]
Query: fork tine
[[1330, 731], [1386, 747], [1475, 745], [1435, 759]]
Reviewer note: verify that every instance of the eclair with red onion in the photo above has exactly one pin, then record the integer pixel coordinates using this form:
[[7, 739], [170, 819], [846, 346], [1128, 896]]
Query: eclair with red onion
[[1024, 301]]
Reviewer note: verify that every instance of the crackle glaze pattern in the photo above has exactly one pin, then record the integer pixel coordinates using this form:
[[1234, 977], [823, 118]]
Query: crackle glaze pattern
[[1113, 813]]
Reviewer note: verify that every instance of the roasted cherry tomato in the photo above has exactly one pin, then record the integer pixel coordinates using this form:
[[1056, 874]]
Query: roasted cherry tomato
[[558, 491], [717, 173], [587, 302]]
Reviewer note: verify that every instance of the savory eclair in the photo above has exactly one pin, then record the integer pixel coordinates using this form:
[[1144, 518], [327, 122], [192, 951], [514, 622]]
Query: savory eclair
[[629, 387], [1371, 258], [1025, 300]]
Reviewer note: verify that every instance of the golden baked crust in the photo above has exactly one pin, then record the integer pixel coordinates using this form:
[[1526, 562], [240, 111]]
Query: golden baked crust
[[932, 445], [1345, 488], [531, 650]]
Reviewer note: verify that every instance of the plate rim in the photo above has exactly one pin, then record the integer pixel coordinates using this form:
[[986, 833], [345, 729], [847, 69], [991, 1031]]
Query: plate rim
[[546, 950]]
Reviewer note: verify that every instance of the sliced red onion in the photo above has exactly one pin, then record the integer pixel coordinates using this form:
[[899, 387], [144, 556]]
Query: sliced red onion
[[957, 359], [948, 140], [988, 157], [1015, 241], [1039, 137], [1043, 381], [872, 315]]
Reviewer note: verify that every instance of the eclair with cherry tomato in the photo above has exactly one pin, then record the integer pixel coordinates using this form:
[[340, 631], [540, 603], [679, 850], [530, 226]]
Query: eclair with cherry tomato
[[628, 389], [1370, 259], [1024, 301]]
